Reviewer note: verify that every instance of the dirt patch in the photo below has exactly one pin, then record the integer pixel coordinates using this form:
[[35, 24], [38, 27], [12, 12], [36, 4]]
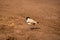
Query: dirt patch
[[13, 24]]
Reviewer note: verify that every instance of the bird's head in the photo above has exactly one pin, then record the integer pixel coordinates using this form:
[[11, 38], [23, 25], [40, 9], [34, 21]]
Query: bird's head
[[27, 17]]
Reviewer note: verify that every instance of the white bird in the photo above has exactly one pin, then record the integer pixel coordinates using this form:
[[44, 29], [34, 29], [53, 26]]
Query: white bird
[[31, 21]]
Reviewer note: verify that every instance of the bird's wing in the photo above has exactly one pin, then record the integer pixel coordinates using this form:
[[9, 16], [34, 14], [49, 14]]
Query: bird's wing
[[32, 21]]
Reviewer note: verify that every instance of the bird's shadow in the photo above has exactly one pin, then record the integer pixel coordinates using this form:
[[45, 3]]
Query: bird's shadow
[[34, 28]]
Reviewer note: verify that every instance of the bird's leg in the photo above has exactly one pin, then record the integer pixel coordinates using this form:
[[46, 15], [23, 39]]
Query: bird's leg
[[33, 23]]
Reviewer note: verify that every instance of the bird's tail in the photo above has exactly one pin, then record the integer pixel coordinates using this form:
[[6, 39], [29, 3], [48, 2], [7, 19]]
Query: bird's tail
[[38, 22]]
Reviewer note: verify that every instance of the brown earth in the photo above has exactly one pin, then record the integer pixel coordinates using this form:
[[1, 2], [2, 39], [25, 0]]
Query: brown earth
[[13, 25]]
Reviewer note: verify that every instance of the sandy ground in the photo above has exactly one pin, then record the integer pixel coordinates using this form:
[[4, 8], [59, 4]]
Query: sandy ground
[[13, 24]]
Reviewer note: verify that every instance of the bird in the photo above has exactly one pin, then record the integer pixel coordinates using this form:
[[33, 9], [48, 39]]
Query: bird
[[31, 21]]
